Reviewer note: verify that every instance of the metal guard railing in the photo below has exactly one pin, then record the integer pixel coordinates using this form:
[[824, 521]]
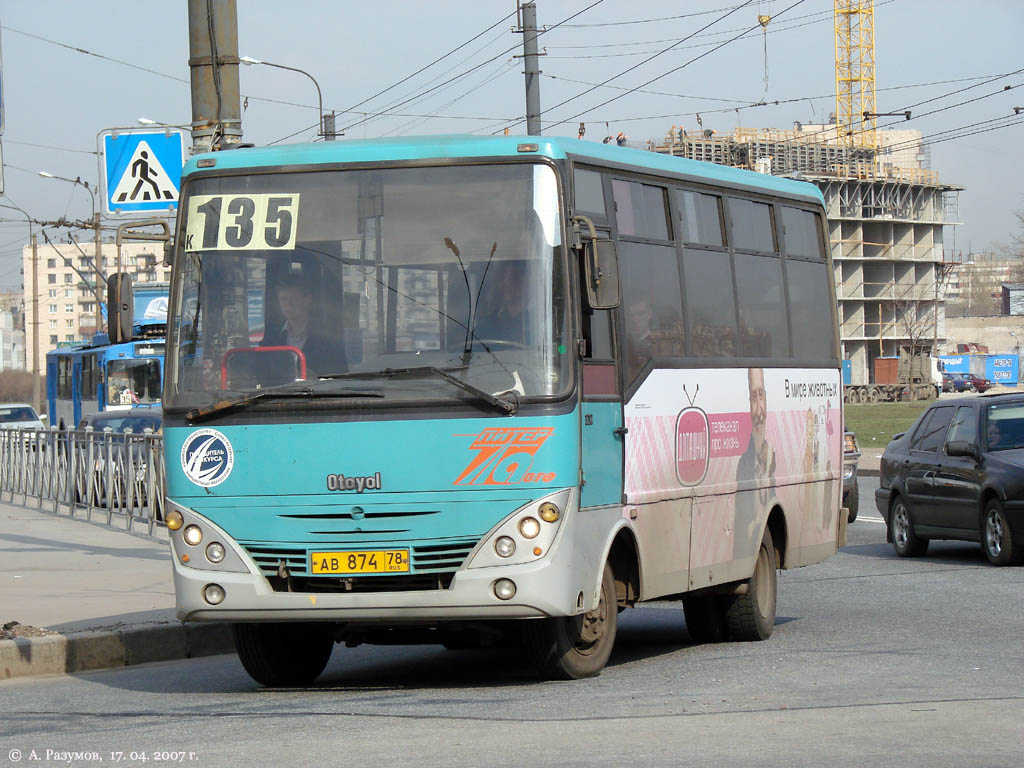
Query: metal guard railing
[[116, 476]]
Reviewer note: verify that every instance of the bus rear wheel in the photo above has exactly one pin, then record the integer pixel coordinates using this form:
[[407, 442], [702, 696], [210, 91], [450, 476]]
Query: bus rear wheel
[[573, 647], [751, 616], [288, 654]]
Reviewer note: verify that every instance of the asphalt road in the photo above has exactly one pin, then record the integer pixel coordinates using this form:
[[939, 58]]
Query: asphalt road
[[875, 661]]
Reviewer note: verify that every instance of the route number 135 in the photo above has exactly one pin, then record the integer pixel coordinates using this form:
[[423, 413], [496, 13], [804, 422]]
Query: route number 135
[[241, 222]]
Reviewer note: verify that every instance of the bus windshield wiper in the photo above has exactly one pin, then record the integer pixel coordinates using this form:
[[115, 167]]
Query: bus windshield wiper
[[284, 391], [508, 405]]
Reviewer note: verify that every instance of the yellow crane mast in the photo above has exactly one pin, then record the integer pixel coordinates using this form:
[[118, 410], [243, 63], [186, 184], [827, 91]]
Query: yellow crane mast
[[855, 72]]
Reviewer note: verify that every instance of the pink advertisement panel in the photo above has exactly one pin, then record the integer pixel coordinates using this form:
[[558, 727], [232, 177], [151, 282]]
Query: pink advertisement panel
[[740, 441]]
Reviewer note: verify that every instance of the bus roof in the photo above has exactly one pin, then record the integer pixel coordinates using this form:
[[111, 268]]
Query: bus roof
[[463, 146]]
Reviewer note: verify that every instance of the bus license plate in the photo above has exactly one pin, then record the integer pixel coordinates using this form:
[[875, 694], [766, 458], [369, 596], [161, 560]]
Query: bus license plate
[[374, 561]]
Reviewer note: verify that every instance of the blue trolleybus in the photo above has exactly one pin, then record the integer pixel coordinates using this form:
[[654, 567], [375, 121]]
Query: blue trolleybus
[[453, 389], [100, 377]]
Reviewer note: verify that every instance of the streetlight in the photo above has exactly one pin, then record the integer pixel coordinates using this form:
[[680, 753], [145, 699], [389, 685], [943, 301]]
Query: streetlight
[[96, 240], [77, 180], [329, 135]]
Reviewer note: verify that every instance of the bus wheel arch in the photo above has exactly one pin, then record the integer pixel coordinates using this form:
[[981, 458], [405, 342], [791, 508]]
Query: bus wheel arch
[[777, 527], [624, 559]]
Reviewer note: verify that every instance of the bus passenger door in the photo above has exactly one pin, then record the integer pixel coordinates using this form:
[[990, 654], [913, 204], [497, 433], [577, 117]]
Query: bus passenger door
[[602, 430], [76, 392]]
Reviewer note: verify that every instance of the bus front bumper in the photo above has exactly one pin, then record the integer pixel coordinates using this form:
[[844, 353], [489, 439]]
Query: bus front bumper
[[564, 582]]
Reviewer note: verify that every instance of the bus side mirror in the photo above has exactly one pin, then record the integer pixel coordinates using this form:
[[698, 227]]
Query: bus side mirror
[[169, 252], [120, 307], [601, 264]]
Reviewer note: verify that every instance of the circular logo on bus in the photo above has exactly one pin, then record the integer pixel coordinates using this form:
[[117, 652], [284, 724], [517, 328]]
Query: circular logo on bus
[[207, 457]]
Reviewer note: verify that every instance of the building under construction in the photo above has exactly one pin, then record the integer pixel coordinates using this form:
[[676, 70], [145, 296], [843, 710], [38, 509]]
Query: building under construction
[[886, 212]]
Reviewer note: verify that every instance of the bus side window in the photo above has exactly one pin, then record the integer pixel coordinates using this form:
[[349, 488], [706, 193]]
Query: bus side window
[[651, 305]]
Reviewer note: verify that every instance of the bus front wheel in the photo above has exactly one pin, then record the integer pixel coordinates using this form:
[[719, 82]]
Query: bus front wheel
[[573, 647], [284, 654]]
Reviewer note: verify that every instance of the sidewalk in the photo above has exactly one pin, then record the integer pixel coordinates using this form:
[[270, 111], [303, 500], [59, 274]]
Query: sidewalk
[[76, 595]]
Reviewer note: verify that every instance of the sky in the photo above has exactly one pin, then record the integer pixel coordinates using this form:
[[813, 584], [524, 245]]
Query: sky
[[366, 59]]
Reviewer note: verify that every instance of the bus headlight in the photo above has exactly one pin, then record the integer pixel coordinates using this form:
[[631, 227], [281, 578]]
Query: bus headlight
[[529, 527], [215, 552], [504, 589], [521, 536], [192, 534], [174, 520], [504, 546], [213, 594], [548, 512]]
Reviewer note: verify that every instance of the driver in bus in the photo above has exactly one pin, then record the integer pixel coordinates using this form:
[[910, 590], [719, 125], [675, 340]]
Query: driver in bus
[[503, 315], [300, 330]]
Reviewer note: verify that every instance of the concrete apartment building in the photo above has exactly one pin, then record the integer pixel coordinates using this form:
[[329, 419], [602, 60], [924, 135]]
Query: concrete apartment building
[[974, 287], [67, 285], [12, 331], [886, 214]]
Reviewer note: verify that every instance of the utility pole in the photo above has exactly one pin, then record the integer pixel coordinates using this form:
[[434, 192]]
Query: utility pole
[[213, 59], [97, 267], [530, 68], [35, 324]]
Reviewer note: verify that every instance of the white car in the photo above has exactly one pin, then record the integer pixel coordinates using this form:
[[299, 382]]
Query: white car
[[19, 416]]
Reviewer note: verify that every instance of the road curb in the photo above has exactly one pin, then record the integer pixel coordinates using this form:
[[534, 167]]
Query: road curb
[[65, 654]]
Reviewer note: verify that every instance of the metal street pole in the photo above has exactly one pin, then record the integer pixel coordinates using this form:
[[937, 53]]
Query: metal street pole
[[530, 69], [213, 59], [35, 324], [97, 261]]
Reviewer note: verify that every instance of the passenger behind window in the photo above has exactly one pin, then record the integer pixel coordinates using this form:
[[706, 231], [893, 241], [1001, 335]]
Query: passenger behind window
[[651, 333]]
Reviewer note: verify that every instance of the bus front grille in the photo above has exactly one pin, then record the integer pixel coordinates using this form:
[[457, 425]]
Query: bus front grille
[[433, 566]]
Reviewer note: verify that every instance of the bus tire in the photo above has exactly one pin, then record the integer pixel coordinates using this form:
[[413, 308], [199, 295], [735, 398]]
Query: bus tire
[[284, 654], [751, 616], [573, 647], [705, 618]]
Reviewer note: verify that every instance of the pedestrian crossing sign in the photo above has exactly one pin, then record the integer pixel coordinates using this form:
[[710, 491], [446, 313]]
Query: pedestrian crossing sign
[[141, 170]]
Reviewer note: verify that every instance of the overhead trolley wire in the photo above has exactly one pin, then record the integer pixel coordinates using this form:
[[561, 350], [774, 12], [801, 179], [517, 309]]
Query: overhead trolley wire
[[485, 63], [640, 64]]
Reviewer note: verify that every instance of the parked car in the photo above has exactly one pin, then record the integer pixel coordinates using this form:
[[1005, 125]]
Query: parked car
[[19, 416], [958, 473], [137, 420], [979, 383], [851, 454], [964, 382], [954, 382]]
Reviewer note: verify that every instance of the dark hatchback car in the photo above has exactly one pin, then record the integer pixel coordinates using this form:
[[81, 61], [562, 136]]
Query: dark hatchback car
[[958, 473]]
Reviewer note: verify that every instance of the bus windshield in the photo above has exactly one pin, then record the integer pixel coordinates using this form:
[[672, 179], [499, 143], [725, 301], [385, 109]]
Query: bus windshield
[[130, 382], [371, 280]]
